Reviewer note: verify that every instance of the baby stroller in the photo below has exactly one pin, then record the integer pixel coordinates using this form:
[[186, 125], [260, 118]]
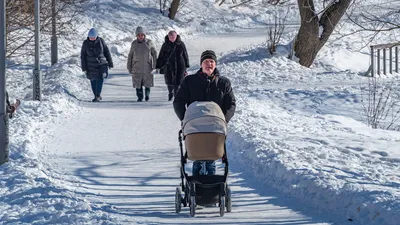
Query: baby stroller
[[204, 131]]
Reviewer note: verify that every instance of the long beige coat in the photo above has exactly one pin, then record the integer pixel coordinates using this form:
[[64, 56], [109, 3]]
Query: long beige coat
[[141, 62]]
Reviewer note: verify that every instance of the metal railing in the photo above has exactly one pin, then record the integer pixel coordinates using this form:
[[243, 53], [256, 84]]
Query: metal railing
[[379, 63]]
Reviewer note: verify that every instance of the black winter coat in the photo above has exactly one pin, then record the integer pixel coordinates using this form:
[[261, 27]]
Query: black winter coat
[[95, 57], [174, 57], [200, 87]]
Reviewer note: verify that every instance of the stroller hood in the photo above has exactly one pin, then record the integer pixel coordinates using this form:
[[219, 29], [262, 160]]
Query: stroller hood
[[204, 117]]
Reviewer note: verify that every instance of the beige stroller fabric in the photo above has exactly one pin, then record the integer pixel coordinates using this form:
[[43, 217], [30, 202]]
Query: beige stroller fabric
[[204, 117], [204, 129]]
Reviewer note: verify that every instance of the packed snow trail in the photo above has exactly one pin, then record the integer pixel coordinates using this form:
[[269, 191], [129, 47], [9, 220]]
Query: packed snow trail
[[124, 156]]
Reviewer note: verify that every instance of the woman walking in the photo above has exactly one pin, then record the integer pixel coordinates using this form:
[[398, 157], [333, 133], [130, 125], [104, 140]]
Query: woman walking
[[173, 62], [95, 61], [141, 63]]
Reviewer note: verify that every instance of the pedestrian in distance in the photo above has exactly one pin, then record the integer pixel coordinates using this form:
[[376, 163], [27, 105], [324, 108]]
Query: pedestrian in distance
[[95, 62], [141, 64], [173, 61], [205, 85]]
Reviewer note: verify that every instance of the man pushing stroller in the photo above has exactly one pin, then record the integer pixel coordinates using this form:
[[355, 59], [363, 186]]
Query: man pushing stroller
[[205, 85]]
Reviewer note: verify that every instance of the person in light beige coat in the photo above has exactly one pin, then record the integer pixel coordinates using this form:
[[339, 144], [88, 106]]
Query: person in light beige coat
[[141, 63]]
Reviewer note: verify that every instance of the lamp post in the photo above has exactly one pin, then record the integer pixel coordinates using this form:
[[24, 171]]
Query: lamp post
[[4, 152], [54, 50], [37, 77]]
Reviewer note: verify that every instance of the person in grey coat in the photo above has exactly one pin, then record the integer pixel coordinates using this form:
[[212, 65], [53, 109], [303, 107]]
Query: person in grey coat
[[142, 59], [95, 61]]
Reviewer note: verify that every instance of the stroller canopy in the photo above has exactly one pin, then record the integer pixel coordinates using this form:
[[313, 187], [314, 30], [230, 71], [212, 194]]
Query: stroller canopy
[[204, 117]]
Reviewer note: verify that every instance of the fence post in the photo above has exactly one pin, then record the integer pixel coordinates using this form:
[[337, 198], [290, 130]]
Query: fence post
[[397, 59], [390, 60], [384, 61], [372, 61], [376, 58], [379, 62]]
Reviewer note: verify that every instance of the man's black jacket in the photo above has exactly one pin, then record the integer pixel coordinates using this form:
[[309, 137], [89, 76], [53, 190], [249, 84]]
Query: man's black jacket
[[200, 87]]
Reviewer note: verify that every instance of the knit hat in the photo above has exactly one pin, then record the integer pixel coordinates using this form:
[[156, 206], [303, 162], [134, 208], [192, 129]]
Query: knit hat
[[208, 54], [139, 30], [92, 33]]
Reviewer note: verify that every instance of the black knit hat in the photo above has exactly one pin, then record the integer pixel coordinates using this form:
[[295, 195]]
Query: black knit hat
[[208, 54]]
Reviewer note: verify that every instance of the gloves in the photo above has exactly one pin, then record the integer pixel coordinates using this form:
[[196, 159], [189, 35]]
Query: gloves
[[105, 75]]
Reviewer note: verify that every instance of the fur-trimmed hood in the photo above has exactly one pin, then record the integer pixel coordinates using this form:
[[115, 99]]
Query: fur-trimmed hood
[[177, 41]]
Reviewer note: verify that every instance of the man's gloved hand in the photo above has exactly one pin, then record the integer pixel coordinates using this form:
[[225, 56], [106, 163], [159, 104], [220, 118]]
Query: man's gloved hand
[[105, 75]]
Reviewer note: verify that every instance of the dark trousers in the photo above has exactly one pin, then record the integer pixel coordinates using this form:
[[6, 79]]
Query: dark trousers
[[139, 92], [172, 89], [201, 167], [97, 86]]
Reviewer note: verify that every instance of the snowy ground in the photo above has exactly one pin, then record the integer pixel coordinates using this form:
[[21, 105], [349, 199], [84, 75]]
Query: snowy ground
[[299, 152]]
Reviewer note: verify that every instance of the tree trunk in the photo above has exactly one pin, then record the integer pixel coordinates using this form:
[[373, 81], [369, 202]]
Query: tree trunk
[[309, 40], [173, 9]]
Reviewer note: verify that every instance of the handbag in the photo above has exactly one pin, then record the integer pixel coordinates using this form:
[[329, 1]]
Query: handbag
[[163, 70], [103, 71]]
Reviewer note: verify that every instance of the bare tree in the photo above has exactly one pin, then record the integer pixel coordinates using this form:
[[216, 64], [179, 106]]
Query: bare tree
[[276, 27], [316, 28], [163, 5], [380, 104], [176, 5], [374, 19], [20, 23]]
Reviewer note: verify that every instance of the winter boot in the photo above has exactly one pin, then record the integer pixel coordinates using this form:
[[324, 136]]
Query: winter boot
[[139, 94], [147, 93]]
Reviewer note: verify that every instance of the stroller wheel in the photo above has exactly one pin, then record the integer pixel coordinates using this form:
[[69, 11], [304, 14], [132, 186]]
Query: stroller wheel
[[178, 200], [221, 205], [228, 199], [185, 200], [192, 204]]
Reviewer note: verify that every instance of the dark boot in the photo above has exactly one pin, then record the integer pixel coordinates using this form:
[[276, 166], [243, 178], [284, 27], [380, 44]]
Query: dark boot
[[139, 94], [170, 92], [147, 93]]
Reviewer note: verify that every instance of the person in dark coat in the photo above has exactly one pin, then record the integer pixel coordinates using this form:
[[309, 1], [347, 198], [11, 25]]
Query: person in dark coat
[[173, 61], [205, 85], [95, 61]]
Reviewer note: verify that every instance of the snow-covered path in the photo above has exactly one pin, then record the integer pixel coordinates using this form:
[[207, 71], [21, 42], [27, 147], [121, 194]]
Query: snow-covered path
[[124, 156]]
